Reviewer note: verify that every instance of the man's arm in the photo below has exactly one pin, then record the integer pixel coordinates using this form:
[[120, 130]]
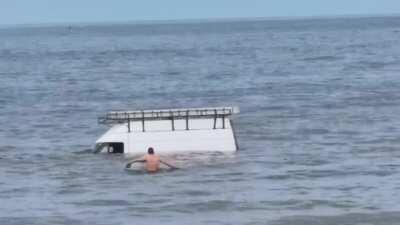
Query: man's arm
[[128, 165], [169, 165]]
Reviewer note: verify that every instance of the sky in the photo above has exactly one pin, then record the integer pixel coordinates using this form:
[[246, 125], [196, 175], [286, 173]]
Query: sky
[[75, 11]]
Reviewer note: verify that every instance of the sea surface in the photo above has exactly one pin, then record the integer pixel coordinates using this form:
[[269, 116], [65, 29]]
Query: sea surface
[[319, 128]]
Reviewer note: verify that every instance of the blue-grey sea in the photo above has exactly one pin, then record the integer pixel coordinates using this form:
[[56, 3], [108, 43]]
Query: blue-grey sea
[[319, 128]]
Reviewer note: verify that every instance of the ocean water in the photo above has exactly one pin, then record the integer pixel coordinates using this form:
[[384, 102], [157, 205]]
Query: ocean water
[[319, 128]]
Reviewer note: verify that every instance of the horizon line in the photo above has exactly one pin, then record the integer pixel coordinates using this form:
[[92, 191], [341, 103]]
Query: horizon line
[[198, 20]]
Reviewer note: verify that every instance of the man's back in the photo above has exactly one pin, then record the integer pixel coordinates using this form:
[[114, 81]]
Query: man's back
[[152, 162]]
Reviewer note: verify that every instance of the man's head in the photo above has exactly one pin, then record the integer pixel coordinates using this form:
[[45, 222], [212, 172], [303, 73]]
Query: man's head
[[150, 151]]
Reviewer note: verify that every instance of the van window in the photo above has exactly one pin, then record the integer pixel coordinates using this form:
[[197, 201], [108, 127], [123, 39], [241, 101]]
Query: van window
[[112, 147]]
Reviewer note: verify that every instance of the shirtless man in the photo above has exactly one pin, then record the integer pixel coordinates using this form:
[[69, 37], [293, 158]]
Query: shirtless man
[[152, 161]]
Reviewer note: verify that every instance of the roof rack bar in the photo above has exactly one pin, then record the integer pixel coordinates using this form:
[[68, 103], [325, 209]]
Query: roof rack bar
[[215, 119], [143, 129], [172, 122], [187, 120], [114, 117]]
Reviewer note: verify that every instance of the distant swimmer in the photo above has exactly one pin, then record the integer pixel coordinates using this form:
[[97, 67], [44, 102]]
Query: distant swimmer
[[152, 161]]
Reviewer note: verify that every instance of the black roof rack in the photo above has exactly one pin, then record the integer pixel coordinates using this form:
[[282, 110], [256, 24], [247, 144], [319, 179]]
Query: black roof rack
[[115, 117]]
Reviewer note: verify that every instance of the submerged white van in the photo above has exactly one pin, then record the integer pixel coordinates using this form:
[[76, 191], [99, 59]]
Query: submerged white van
[[169, 131]]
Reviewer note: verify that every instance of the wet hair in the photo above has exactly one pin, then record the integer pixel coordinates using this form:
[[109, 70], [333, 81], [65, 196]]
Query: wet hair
[[150, 151]]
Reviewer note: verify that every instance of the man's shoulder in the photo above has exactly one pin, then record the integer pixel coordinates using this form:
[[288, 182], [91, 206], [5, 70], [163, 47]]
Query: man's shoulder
[[156, 156], [151, 156]]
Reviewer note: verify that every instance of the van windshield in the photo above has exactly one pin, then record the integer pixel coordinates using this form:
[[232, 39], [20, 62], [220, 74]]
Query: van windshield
[[113, 147]]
